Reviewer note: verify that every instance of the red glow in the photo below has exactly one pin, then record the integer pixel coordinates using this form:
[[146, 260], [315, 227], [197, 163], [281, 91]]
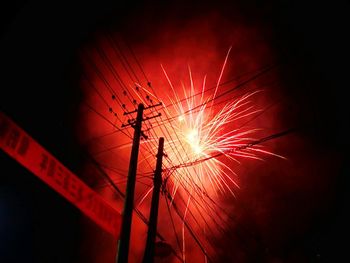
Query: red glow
[[178, 68]]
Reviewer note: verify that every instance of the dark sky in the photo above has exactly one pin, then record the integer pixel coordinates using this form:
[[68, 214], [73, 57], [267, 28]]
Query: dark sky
[[39, 69]]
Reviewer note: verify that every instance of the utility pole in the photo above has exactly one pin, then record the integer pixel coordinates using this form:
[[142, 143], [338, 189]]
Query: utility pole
[[152, 227], [124, 238]]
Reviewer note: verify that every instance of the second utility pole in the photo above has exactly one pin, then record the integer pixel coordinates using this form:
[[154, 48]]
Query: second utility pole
[[124, 239], [152, 227]]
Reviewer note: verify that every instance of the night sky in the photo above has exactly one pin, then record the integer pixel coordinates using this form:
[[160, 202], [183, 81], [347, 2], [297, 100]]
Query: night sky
[[40, 91]]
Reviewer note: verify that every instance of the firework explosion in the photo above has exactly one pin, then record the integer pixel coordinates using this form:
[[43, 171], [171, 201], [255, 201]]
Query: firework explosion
[[198, 133]]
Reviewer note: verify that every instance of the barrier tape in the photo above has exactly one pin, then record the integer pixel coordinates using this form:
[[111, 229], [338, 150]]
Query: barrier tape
[[25, 150]]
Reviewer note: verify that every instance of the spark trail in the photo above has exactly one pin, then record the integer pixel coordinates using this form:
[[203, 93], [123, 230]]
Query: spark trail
[[204, 132]]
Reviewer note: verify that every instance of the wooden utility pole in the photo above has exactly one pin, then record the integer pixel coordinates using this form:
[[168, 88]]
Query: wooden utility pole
[[152, 227], [124, 239]]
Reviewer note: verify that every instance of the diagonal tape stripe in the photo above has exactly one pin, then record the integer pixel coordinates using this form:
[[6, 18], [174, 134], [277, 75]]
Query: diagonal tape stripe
[[25, 150]]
